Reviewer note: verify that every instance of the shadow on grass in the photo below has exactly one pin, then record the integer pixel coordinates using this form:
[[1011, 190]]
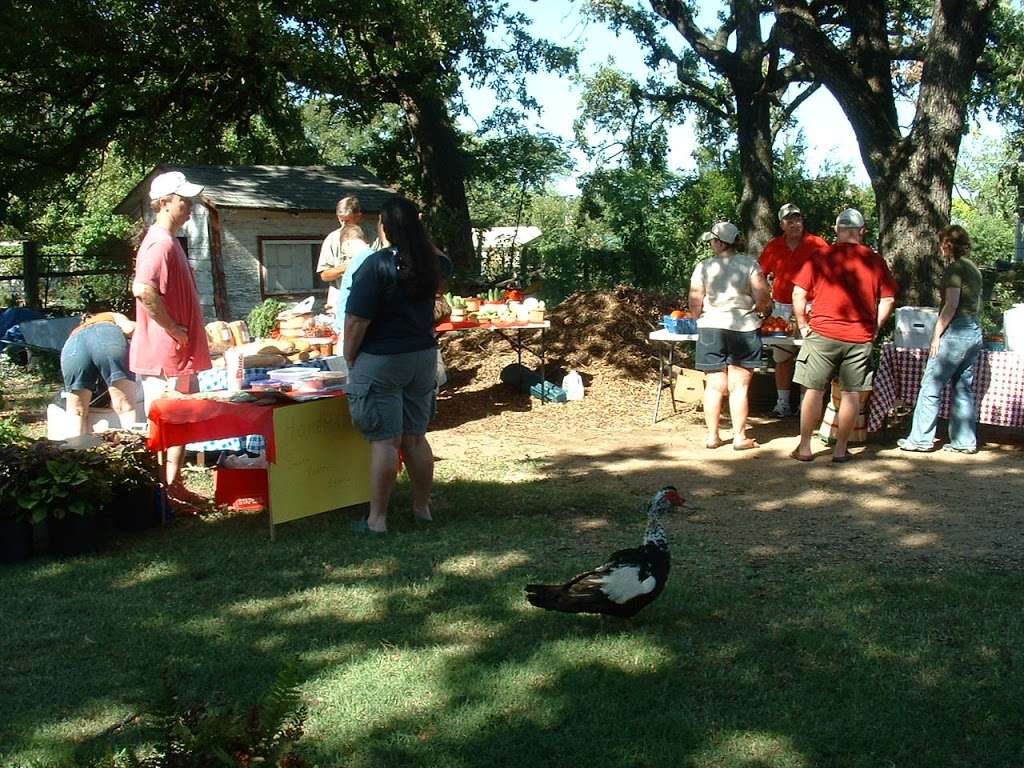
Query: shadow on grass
[[419, 649]]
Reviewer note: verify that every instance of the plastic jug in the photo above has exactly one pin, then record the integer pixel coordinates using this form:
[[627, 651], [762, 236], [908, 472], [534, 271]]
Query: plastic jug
[[1013, 328], [573, 386]]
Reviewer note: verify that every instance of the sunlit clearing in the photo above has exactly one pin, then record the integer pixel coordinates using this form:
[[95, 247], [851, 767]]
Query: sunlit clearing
[[361, 571], [629, 653], [749, 748], [919, 539], [146, 573], [468, 631], [356, 604], [481, 565]]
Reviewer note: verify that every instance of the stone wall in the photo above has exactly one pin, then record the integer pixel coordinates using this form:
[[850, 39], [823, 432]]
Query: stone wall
[[240, 229]]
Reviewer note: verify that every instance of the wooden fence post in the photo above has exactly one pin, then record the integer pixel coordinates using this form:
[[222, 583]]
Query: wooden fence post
[[30, 273]]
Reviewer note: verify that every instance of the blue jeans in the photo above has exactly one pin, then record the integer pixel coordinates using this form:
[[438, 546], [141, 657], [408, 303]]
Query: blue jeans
[[958, 351]]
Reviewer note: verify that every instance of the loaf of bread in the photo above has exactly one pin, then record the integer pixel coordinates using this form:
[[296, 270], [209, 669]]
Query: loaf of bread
[[264, 361], [240, 332]]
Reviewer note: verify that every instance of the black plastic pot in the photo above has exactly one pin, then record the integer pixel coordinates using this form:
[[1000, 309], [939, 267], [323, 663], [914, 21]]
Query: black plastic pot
[[15, 541], [136, 511], [72, 535]]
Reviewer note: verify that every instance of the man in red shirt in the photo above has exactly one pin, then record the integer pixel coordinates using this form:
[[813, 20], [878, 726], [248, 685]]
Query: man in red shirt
[[169, 345], [780, 260], [853, 293]]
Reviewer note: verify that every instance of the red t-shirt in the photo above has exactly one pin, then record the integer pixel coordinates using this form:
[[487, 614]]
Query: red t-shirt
[[777, 259], [845, 281], [162, 264]]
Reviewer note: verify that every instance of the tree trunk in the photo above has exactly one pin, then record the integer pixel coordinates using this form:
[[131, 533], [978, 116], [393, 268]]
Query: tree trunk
[[757, 168], [912, 176], [746, 70], [442, 174]]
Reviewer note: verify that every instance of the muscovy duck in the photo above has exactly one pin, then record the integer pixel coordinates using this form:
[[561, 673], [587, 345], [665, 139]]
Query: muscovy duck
[[629, 580]]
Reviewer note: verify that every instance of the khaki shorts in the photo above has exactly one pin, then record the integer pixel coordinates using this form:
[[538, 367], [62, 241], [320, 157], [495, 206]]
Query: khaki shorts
[[820, 359], [782, 354], [393, 395]]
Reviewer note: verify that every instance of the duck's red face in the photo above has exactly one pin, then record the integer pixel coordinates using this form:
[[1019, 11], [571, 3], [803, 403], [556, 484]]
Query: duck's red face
[[672, 497]]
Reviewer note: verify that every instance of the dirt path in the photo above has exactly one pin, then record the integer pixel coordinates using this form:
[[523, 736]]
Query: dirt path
[[903, 509]]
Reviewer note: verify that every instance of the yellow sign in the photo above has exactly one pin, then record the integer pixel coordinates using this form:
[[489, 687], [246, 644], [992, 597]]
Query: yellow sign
[[323, 462]]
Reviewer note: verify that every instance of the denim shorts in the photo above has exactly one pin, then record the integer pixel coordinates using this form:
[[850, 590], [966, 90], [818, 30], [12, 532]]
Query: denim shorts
[[822, 359], [393, 395], [97, 351], [719, 347]]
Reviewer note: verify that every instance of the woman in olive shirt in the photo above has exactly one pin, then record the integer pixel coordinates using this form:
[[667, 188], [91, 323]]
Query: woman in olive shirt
[[955, 345]]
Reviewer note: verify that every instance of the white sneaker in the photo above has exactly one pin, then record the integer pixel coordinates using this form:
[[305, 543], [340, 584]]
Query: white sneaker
[[782, 410]]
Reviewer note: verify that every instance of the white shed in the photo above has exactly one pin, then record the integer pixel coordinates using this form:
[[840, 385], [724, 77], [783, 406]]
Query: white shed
[[256, 231]]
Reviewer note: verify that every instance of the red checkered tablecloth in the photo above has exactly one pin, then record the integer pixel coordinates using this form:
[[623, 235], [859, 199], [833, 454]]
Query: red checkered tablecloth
[[998, 386]]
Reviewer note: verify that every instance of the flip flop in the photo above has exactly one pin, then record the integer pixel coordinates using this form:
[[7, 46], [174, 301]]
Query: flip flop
[[795, 454], [842, 459], [746, 445], [361, 526], [718, 444]]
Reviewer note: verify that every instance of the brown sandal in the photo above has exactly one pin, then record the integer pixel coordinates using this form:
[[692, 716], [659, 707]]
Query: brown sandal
[[746, 444], [796, 455]]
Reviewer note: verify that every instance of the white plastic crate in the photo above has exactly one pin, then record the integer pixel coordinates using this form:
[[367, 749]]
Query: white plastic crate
[[914, 326]]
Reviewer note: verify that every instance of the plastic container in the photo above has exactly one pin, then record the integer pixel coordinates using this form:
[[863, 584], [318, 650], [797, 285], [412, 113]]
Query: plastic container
[[573, 386], [549, 392], [915, 325], [681, 325], [1013, 328], [234, 485]]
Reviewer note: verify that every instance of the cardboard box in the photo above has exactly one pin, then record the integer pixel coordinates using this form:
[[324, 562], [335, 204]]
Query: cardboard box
[[689, 385]]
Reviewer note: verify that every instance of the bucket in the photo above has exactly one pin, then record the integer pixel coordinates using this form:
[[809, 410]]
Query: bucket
[[1013, 328]]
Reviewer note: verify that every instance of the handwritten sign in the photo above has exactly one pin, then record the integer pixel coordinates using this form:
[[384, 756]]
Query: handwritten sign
[[323, 462]]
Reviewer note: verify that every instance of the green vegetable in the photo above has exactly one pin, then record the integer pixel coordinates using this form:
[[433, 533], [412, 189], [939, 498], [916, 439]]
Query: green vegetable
[[263, 318]]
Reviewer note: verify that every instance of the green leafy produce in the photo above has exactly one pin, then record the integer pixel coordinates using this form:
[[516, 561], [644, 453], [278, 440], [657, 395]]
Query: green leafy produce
[[261, 319]]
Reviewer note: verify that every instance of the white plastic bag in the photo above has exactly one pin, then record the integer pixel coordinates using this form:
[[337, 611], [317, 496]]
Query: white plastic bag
[[573, 386]]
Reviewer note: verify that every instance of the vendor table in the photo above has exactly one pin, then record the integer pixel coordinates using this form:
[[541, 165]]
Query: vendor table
[[317, 460], [666, 358], [537, 348], [998, 386]]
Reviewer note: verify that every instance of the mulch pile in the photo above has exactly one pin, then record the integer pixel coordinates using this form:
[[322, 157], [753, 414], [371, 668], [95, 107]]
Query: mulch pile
[[602, 334]]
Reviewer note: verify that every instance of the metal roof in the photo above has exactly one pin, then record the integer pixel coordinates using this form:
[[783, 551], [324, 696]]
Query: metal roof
[[272, 187]]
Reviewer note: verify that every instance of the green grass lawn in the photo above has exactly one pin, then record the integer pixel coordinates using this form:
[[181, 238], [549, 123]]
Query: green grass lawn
[[419, 649]]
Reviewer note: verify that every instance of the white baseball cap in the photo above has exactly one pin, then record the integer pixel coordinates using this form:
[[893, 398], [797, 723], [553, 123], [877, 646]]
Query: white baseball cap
[[724, 231], [851, 218], [173, 183], [789, 209]]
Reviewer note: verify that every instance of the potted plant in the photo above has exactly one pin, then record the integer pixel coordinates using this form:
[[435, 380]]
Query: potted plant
[[135, 502], [67, 490], [15, 527]]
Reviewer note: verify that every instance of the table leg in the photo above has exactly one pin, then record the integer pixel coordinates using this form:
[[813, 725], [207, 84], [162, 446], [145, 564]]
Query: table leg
[[668, 376], [543, 366], [661, 382]]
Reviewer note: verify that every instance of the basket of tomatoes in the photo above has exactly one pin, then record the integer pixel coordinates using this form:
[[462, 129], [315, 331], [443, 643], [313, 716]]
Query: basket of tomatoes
[[679, 322], [775, 326]]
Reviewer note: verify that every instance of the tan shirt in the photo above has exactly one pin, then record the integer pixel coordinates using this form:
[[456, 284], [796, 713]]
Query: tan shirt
[[728, 298]]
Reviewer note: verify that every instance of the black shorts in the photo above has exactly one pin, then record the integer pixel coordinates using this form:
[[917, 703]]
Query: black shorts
[[718, 348]]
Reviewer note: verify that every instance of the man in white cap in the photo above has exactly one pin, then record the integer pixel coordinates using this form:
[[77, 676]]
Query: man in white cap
[[853, 293], [780, 260], [169, 345]]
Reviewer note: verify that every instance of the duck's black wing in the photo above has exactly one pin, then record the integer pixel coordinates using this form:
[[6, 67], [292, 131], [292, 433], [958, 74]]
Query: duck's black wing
[[624, 584]]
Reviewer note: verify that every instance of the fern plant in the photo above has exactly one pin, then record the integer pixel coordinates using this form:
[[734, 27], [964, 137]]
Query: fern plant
[[204, 736]]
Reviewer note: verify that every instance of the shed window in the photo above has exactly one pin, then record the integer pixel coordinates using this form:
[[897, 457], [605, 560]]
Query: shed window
[[289, 266]]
